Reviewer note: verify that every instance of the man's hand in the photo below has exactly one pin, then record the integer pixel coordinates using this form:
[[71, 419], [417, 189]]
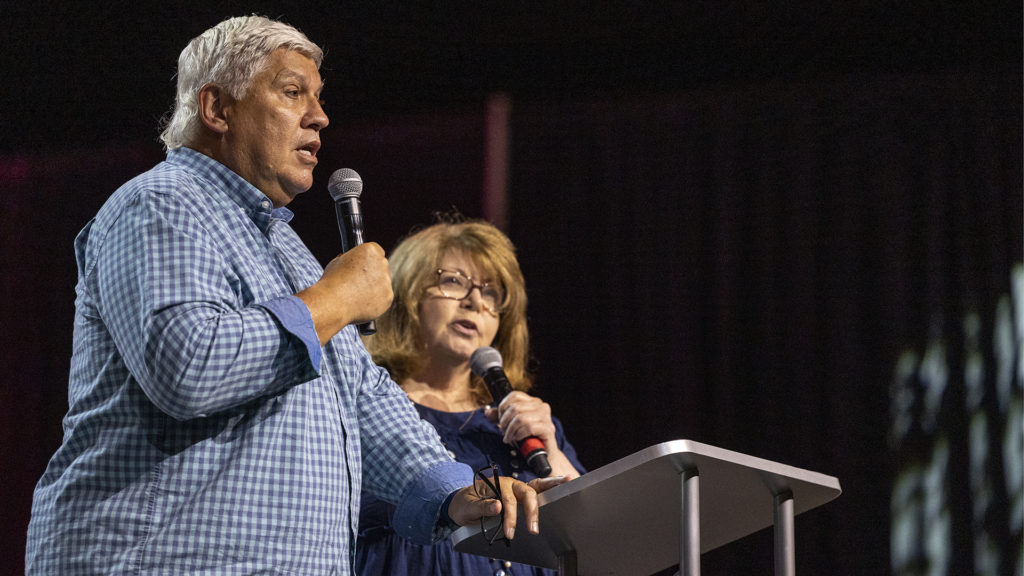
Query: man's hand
[[355, 288], [475, 502]]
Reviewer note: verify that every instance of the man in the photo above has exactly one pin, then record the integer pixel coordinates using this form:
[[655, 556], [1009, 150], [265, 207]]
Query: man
[[223, 414]]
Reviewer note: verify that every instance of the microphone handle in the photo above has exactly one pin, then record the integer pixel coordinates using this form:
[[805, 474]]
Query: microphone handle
[[352, 236], [531, 448]]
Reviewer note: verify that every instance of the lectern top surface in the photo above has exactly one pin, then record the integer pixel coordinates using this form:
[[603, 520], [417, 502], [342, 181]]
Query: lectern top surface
[[624, 518]]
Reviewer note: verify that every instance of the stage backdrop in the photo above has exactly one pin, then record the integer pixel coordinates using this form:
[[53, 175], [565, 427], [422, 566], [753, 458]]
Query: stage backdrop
[[816, 274]]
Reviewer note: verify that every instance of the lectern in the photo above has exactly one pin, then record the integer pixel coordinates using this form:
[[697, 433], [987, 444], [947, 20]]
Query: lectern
[[661, 506]]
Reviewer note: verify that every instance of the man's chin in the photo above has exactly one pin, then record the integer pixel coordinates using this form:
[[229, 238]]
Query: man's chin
[[291, 189], [282, 197]]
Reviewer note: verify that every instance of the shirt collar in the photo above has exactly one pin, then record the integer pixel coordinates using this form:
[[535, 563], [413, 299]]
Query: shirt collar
[[250, 199]]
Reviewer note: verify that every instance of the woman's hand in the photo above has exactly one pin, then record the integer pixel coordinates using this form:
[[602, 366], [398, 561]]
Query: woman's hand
[[520, 415]]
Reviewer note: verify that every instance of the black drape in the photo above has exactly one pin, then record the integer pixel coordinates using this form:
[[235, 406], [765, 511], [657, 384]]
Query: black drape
[[745, 266]]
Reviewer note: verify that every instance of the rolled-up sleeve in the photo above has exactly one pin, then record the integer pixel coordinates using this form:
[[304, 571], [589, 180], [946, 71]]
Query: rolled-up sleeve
[[416, 515], [294, 316], [178, 317]]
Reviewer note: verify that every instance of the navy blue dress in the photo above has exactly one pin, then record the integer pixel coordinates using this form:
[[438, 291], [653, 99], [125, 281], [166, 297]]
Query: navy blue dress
[[476, 441]]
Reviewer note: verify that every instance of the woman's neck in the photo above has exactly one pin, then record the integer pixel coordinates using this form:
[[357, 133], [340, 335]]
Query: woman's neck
[[446, 389]]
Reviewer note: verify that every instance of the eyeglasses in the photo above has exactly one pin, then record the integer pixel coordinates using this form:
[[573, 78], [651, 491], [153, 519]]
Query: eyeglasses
[[457, 286], [490, 479]]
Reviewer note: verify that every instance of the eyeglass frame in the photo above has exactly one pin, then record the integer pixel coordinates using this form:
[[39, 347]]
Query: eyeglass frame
[[472, 285], [495, 487]]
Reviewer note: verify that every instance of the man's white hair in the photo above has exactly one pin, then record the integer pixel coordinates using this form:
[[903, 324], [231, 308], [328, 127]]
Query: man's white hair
[[230, 55]]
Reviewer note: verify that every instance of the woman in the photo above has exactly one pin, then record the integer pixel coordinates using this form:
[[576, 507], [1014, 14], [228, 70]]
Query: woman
[[458, 287]]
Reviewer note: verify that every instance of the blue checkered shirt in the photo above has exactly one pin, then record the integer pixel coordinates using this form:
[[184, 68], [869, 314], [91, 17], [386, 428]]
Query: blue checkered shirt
[[207, 430]]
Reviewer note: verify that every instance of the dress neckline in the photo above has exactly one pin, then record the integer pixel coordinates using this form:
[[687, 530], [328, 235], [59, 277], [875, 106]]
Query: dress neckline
[[453, 420]]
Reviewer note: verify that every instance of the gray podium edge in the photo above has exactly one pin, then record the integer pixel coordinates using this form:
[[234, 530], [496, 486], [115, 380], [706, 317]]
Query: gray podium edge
[[661, 506]]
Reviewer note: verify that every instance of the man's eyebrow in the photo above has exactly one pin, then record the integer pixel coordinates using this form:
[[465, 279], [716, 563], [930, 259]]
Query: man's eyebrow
[[289, 74]]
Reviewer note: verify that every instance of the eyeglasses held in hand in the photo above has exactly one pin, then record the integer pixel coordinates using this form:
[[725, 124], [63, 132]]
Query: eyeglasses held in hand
[[457, 286], [489, 487]]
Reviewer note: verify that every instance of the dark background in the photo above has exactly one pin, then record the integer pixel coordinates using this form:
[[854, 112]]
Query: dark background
[[753, 225]]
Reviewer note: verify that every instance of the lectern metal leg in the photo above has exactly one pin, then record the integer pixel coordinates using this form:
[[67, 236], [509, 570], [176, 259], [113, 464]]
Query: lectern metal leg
[[689, 526], [567, 563], [785, 541]]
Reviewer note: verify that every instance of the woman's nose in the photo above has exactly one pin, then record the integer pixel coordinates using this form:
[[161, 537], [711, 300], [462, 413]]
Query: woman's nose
[[474, 299]]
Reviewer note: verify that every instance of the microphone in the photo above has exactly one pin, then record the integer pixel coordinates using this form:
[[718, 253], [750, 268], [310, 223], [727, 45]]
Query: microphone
[[345, 187], [486, 363]]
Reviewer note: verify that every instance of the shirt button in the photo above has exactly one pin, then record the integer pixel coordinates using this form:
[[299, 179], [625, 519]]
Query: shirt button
[[265, 204]]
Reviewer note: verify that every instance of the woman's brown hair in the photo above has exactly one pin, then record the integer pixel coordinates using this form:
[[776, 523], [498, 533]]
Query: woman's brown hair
[[413, 265]]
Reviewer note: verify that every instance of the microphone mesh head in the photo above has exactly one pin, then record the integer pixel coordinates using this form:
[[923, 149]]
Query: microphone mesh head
[[483, 359], [345, 183]]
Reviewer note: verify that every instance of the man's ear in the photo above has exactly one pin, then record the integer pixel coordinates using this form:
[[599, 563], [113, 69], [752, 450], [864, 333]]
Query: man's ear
[[213, 102]]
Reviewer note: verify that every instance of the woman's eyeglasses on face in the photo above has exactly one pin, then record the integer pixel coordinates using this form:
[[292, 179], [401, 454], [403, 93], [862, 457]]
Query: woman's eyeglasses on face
[[457, 286]]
